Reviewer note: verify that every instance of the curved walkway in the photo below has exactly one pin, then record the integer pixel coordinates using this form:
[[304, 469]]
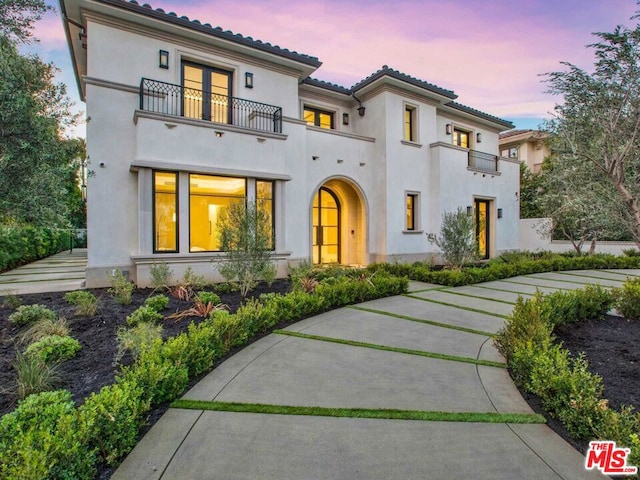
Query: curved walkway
[[421, 366]]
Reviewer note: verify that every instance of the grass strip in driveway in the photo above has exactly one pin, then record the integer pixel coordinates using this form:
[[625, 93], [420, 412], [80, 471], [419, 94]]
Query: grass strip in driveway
[[477, 285], [478, 296], [447, 304], [388, 414], [537, 286], [426, 322], [591, 277], [624, 274], [375, 346]]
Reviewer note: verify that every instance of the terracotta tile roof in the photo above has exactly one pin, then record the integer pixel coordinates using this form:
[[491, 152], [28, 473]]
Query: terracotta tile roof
[[386, 70]]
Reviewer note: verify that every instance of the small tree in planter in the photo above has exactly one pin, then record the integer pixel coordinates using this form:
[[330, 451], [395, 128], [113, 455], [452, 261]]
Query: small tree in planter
[[456, 239], [246, 237]]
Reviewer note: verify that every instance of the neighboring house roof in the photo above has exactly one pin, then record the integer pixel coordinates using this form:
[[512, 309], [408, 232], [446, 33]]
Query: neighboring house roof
[[521, 135], [218, 32]]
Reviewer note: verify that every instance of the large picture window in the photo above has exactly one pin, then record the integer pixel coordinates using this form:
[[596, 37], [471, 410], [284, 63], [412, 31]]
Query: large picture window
[[208, 197], [165, 212]]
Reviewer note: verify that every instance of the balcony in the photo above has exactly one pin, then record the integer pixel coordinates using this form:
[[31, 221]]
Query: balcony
[[484, 162], [169, 99]]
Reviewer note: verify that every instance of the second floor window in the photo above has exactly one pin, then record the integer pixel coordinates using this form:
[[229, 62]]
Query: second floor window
[[461, 138], [410, 134], [206, 92], [319, 118]]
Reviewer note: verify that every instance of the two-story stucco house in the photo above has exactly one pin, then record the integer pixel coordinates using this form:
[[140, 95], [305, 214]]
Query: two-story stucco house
[[185, 118]]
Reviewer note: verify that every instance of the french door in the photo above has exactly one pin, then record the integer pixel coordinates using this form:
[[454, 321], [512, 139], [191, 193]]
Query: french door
[[206, 93], [483, 228], [326, 227]]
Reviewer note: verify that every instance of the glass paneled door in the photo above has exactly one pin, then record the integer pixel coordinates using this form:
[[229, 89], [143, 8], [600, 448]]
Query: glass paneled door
[[483, 230], [206, 93], [326, 227]]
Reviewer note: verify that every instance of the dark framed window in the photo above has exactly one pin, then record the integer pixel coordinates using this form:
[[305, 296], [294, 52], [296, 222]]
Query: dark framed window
[[165, 212], [410, 132], [264, 200], [319, 118], [206, 92], [510, 152], [411, 211], [461, 138]]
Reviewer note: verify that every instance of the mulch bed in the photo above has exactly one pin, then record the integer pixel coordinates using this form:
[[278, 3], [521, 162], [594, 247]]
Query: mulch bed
[[612, 347]]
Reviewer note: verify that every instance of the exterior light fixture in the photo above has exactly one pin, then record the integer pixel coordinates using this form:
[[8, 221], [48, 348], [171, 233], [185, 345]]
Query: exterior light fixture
[[499, 213], [479, 137], [469, 210], [361, 110], [345, 119], [449, 128], [164, 59], [248, 79]]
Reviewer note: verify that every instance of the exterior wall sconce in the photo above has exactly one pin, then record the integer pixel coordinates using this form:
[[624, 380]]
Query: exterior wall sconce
[[469, 210], [345, 119], [479, 137], [219, 134], [499, 213], [361, 111], [449, 128], [248, 80], [83, 38], [164, 59]]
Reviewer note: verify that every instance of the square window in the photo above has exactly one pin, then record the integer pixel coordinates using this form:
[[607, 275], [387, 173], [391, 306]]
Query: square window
[[461, 138], [319, 118]]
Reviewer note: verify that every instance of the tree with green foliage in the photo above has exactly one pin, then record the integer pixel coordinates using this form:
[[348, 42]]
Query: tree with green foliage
[[596, 129], [530, 189], [245, 234], [456, 239], [37, 164]]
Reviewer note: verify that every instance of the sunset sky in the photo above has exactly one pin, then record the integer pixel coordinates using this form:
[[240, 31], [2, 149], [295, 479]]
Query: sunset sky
[[490, 52]]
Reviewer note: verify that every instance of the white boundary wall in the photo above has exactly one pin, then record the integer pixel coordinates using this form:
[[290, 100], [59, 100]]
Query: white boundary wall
[[531, 240]]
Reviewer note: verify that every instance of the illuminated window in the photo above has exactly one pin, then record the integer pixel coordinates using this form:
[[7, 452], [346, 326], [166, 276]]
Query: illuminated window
[[264, 200], [410, 131], [460, 138], [318, 118], [411, 211], [165, 212], [206, 93], [208, 197]]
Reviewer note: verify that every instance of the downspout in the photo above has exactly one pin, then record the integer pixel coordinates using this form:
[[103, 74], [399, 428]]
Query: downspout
[[361, 109]]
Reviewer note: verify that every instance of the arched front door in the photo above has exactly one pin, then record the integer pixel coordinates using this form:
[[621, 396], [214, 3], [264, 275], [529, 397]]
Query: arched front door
[[326, 227]]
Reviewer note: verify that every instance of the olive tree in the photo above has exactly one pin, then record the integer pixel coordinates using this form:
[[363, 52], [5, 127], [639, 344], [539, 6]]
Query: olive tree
[[456, 239]]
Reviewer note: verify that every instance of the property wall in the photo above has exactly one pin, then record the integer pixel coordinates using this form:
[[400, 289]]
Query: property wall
[[532, 240]]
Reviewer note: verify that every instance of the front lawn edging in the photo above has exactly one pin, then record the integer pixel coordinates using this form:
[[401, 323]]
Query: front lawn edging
[[565, 386], [106, 426]]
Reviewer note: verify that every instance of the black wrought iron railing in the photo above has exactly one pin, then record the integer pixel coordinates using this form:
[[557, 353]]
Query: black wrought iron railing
[[170, 99], [483, 161]]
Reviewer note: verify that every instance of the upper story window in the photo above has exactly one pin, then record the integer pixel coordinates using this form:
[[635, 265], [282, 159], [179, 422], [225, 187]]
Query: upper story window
[[461, 138], [206, 92], [510, 152], [410, 123], [319, 118]]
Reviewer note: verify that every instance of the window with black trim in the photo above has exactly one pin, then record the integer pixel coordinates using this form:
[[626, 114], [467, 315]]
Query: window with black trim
[[206, 92], [410, 126], [264, 201], [165, 212], [461, 138], [510, 152], [411, 210], [319, 118]]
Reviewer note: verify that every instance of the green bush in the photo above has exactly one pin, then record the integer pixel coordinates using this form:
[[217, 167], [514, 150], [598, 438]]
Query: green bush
[[208, 297], [456, 239], [591, 302], [30, 314], [22, 245], [627, 299], [134, 340], [121, 288], [112, 419], [160, 275], [44, 328], [86, 303], [157, 302], [143, 314], [44, 439], [34, 375], [54, 349]]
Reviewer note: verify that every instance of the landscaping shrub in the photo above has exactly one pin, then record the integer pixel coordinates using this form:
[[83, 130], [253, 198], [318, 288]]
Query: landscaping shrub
[[34, 375], [22, 245], [121, 288], [157, 302], [591, 302], [30, 314], [143, 314], [208, 297], [86, 303], [112, 419], [44, 439], [12, 301], [54, 349], [456, 238], [136, 339], [44, 328], [160, 275], [627, 299], [228, 330]]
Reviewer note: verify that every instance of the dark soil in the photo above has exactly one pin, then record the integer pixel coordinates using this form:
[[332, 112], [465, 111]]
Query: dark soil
[[93, 367], [612, 347]]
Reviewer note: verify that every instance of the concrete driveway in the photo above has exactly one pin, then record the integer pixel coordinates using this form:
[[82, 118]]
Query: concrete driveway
[[429, 351]]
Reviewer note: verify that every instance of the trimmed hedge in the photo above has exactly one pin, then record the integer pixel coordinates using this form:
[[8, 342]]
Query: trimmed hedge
[[108, 422], [21, 245], [498, 268], [565, 386]]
